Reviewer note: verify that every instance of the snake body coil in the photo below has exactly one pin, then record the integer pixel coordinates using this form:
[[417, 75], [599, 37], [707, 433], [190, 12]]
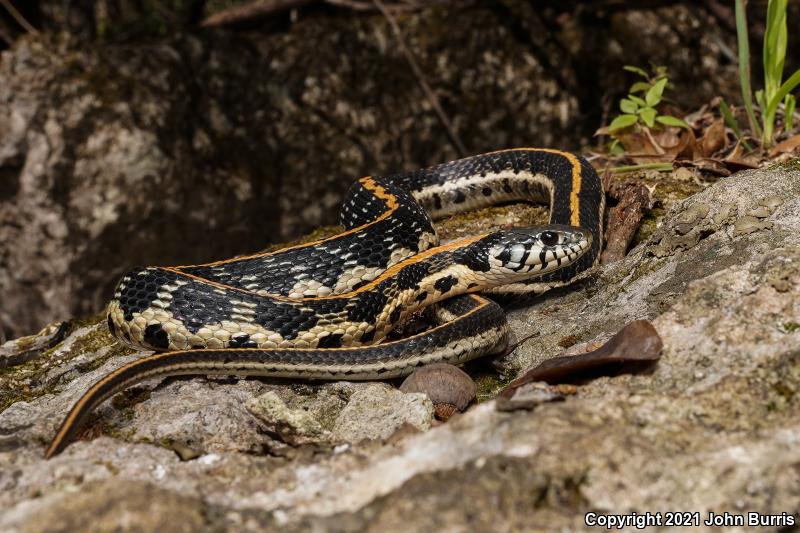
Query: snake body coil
[[320, 310]]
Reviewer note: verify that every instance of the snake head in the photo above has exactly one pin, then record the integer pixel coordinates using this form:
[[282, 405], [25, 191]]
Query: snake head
[[519, 253]]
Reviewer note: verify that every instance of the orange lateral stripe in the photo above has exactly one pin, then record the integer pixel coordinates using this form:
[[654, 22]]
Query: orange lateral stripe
[[386, 274]]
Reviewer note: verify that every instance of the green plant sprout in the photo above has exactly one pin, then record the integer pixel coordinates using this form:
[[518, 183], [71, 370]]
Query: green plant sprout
[[642, 110], [776, 90]]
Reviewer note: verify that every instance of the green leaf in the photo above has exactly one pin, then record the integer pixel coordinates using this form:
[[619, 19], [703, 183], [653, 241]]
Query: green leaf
[[622, 121], [789, 104], [660, 167], [628, 106], [639, 87], [639, 101], [668, 120], [635, 70], [653, 96], [787, 87], [760, 99], [743, 45], [774, 53], [648, 114], [616, 148], [660, 71]]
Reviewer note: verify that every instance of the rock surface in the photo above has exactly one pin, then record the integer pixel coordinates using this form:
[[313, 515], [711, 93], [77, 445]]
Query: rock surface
[[714, 426], [207, 144]]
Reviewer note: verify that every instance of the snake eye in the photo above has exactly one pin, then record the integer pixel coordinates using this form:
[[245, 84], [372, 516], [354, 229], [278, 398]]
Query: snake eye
[[549, 238]]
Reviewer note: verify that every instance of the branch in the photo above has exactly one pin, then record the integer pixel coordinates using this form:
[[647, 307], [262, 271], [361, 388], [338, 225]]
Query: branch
[[426, 88], [633, 201], [18, 17], [357, 5], [253, 10]]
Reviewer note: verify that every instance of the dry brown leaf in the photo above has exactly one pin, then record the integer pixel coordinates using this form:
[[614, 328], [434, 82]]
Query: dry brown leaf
[[639, 144], [706, 164], [635, 346], [667, 138], [786, 147], [698, 119], [714, 138], [740, 159]]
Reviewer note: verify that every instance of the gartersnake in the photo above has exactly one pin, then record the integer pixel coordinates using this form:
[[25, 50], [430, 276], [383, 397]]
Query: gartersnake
[[320, 310]]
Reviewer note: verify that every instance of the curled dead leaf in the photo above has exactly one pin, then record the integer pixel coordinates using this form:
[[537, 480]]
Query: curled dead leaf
[[715, 138], [635, 346]]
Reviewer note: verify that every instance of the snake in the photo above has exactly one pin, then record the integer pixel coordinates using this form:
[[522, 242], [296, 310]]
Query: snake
[[325, 310]]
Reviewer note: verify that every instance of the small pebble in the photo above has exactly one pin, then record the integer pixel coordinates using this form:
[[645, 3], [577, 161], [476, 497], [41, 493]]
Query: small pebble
[[185, 453], [450, 389]]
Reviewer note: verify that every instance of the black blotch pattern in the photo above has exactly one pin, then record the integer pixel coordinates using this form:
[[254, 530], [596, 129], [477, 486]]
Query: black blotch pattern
[[141, 289], [505, 255], [421, 296], [111, 327], [242, 340], [330, 341], [197, 304], [446, 283], [409, 276], [366, 306], [459, 198], [395, 315], [437, 201], [487, 191], [476, 255], [156, 337], [507, 187], [368, 336], [360, 284], [284, 317]]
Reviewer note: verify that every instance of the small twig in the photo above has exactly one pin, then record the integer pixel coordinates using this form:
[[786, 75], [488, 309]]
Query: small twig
[[432, 98], [661, 167], [16, 15], [510, 349], [368, 5], [250, 11]]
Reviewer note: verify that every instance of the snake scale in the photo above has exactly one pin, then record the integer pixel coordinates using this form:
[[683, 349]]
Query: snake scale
[[323, 310]]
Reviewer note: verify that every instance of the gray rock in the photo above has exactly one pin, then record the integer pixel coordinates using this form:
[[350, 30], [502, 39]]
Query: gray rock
[[293, 426], [377, 411], [713, 426], [204, 415]]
